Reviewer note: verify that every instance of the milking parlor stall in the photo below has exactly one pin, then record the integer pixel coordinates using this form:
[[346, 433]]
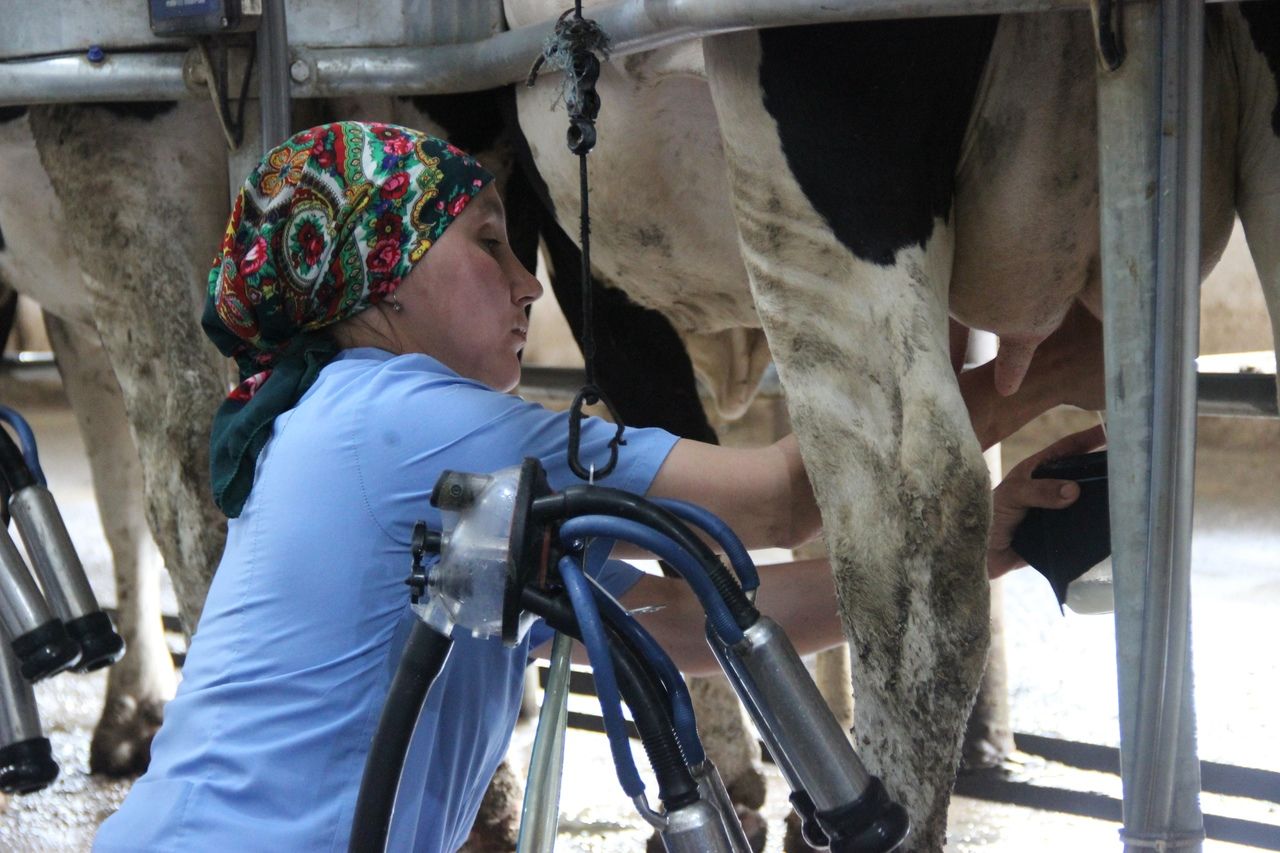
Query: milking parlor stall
[[1124, 730]]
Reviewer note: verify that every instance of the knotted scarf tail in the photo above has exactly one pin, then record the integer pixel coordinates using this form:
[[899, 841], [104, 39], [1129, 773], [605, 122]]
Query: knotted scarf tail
[[241, 427]]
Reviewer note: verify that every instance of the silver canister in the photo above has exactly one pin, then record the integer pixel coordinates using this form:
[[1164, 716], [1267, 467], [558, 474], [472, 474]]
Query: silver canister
[[815, 746], [26, 758], [52, 555], [713, 791], [696, 828], [22, 607]]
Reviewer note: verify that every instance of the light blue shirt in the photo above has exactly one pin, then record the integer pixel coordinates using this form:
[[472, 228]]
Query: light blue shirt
[[264, 746]]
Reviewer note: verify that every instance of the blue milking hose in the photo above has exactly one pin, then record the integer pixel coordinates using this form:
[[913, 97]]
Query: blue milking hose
[[27, 438], [593, 637], [643, 693], [715, 527], [682, 716], [689, 567], [578, 501]]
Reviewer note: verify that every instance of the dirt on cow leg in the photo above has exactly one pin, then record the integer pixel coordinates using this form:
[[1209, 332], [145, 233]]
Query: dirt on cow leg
[[145, 203], [988, 736]]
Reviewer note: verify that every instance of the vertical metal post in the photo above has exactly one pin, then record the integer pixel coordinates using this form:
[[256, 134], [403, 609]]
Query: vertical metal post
[[1150, 112], [273, 74]]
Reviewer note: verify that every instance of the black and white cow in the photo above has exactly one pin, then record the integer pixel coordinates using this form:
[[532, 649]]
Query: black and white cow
[[846, 187]]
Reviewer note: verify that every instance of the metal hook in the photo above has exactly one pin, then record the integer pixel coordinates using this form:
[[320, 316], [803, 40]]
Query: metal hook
[[1108, 32], [589, 396]]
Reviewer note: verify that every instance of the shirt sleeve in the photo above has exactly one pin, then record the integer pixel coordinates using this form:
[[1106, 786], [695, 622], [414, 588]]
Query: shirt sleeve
[[421, 424]]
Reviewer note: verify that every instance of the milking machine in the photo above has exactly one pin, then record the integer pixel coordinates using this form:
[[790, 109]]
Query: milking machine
[[512, 550], [49, 627]]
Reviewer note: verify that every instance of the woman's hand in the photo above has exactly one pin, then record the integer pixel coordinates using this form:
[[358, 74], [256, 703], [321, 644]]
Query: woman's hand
[[1018, 492], [1069, 362]]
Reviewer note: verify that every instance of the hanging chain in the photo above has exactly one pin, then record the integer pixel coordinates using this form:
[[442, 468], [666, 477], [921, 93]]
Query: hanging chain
[[572, 47]]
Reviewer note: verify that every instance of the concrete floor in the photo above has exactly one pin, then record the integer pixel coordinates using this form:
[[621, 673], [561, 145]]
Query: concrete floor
[[1062, 671]]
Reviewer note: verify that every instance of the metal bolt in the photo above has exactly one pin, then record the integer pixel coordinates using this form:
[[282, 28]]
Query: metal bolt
[[300, 71], [96, 54]]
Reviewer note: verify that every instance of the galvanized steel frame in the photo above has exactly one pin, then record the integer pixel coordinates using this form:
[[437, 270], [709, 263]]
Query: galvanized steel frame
[[1150, 191], [633, 25]]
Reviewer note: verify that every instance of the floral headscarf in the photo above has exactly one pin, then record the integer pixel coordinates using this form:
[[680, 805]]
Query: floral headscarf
[[328, 224]]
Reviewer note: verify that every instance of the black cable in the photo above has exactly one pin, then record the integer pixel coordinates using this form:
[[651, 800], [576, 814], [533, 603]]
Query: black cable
[[588, 314], [425, 653], [601, 500], [13, 466], [643, 694]]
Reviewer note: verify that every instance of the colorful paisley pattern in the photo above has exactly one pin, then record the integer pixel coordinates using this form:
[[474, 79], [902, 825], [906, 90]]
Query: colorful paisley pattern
[[326, 225]]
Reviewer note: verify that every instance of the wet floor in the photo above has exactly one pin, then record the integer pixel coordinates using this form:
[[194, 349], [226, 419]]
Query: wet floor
[[1062, 678]]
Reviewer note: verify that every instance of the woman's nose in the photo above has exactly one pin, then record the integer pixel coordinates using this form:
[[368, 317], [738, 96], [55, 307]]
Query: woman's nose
[[525, 288]]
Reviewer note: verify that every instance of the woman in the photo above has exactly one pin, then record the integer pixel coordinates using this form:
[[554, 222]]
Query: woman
[[367, 290]]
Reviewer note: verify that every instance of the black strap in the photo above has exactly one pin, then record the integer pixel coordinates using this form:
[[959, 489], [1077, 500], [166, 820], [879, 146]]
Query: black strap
[[572, 48]]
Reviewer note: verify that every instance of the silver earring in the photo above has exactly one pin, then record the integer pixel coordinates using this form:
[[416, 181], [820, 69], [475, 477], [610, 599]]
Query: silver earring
[[395, 303]]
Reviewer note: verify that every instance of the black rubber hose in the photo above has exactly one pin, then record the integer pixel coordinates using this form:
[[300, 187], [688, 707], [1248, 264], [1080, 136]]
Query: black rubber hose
[[599, 500], [13, 467], [643, 694], [425, 653]]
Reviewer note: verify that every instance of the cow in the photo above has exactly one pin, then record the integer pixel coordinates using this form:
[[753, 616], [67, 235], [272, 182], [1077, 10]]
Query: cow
[[843, 189]]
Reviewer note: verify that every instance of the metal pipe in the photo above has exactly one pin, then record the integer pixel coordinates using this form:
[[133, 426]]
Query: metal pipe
[[633, 25], [540, 816], [1149, 140], [1241, 395], [274, 95]]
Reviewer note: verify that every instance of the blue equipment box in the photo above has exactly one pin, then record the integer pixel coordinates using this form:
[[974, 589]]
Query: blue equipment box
[[203, 17]]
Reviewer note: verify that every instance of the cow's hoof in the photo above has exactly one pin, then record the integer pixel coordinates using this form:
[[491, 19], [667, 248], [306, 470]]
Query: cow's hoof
[[980, 755], [747, 790], [793, 840], [121, 743], [755, 827], [995, 766], [497, 825]]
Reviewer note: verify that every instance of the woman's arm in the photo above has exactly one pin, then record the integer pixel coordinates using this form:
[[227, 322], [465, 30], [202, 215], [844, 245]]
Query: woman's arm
[[762, 493], [798, 596]]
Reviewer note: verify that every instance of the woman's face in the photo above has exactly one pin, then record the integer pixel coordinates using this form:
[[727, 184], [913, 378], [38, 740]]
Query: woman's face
[[464, 303]]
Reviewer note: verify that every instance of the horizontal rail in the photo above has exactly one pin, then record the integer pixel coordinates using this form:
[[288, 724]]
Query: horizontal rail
[[633, 26]]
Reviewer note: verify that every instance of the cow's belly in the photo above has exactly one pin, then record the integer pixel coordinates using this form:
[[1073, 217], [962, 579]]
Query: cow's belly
[[661, 220], [37, 258]]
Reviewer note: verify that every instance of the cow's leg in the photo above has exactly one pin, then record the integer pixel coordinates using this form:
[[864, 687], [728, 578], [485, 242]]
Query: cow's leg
[[143, 191], [139, 684], [1254, 29], [849, 260]]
